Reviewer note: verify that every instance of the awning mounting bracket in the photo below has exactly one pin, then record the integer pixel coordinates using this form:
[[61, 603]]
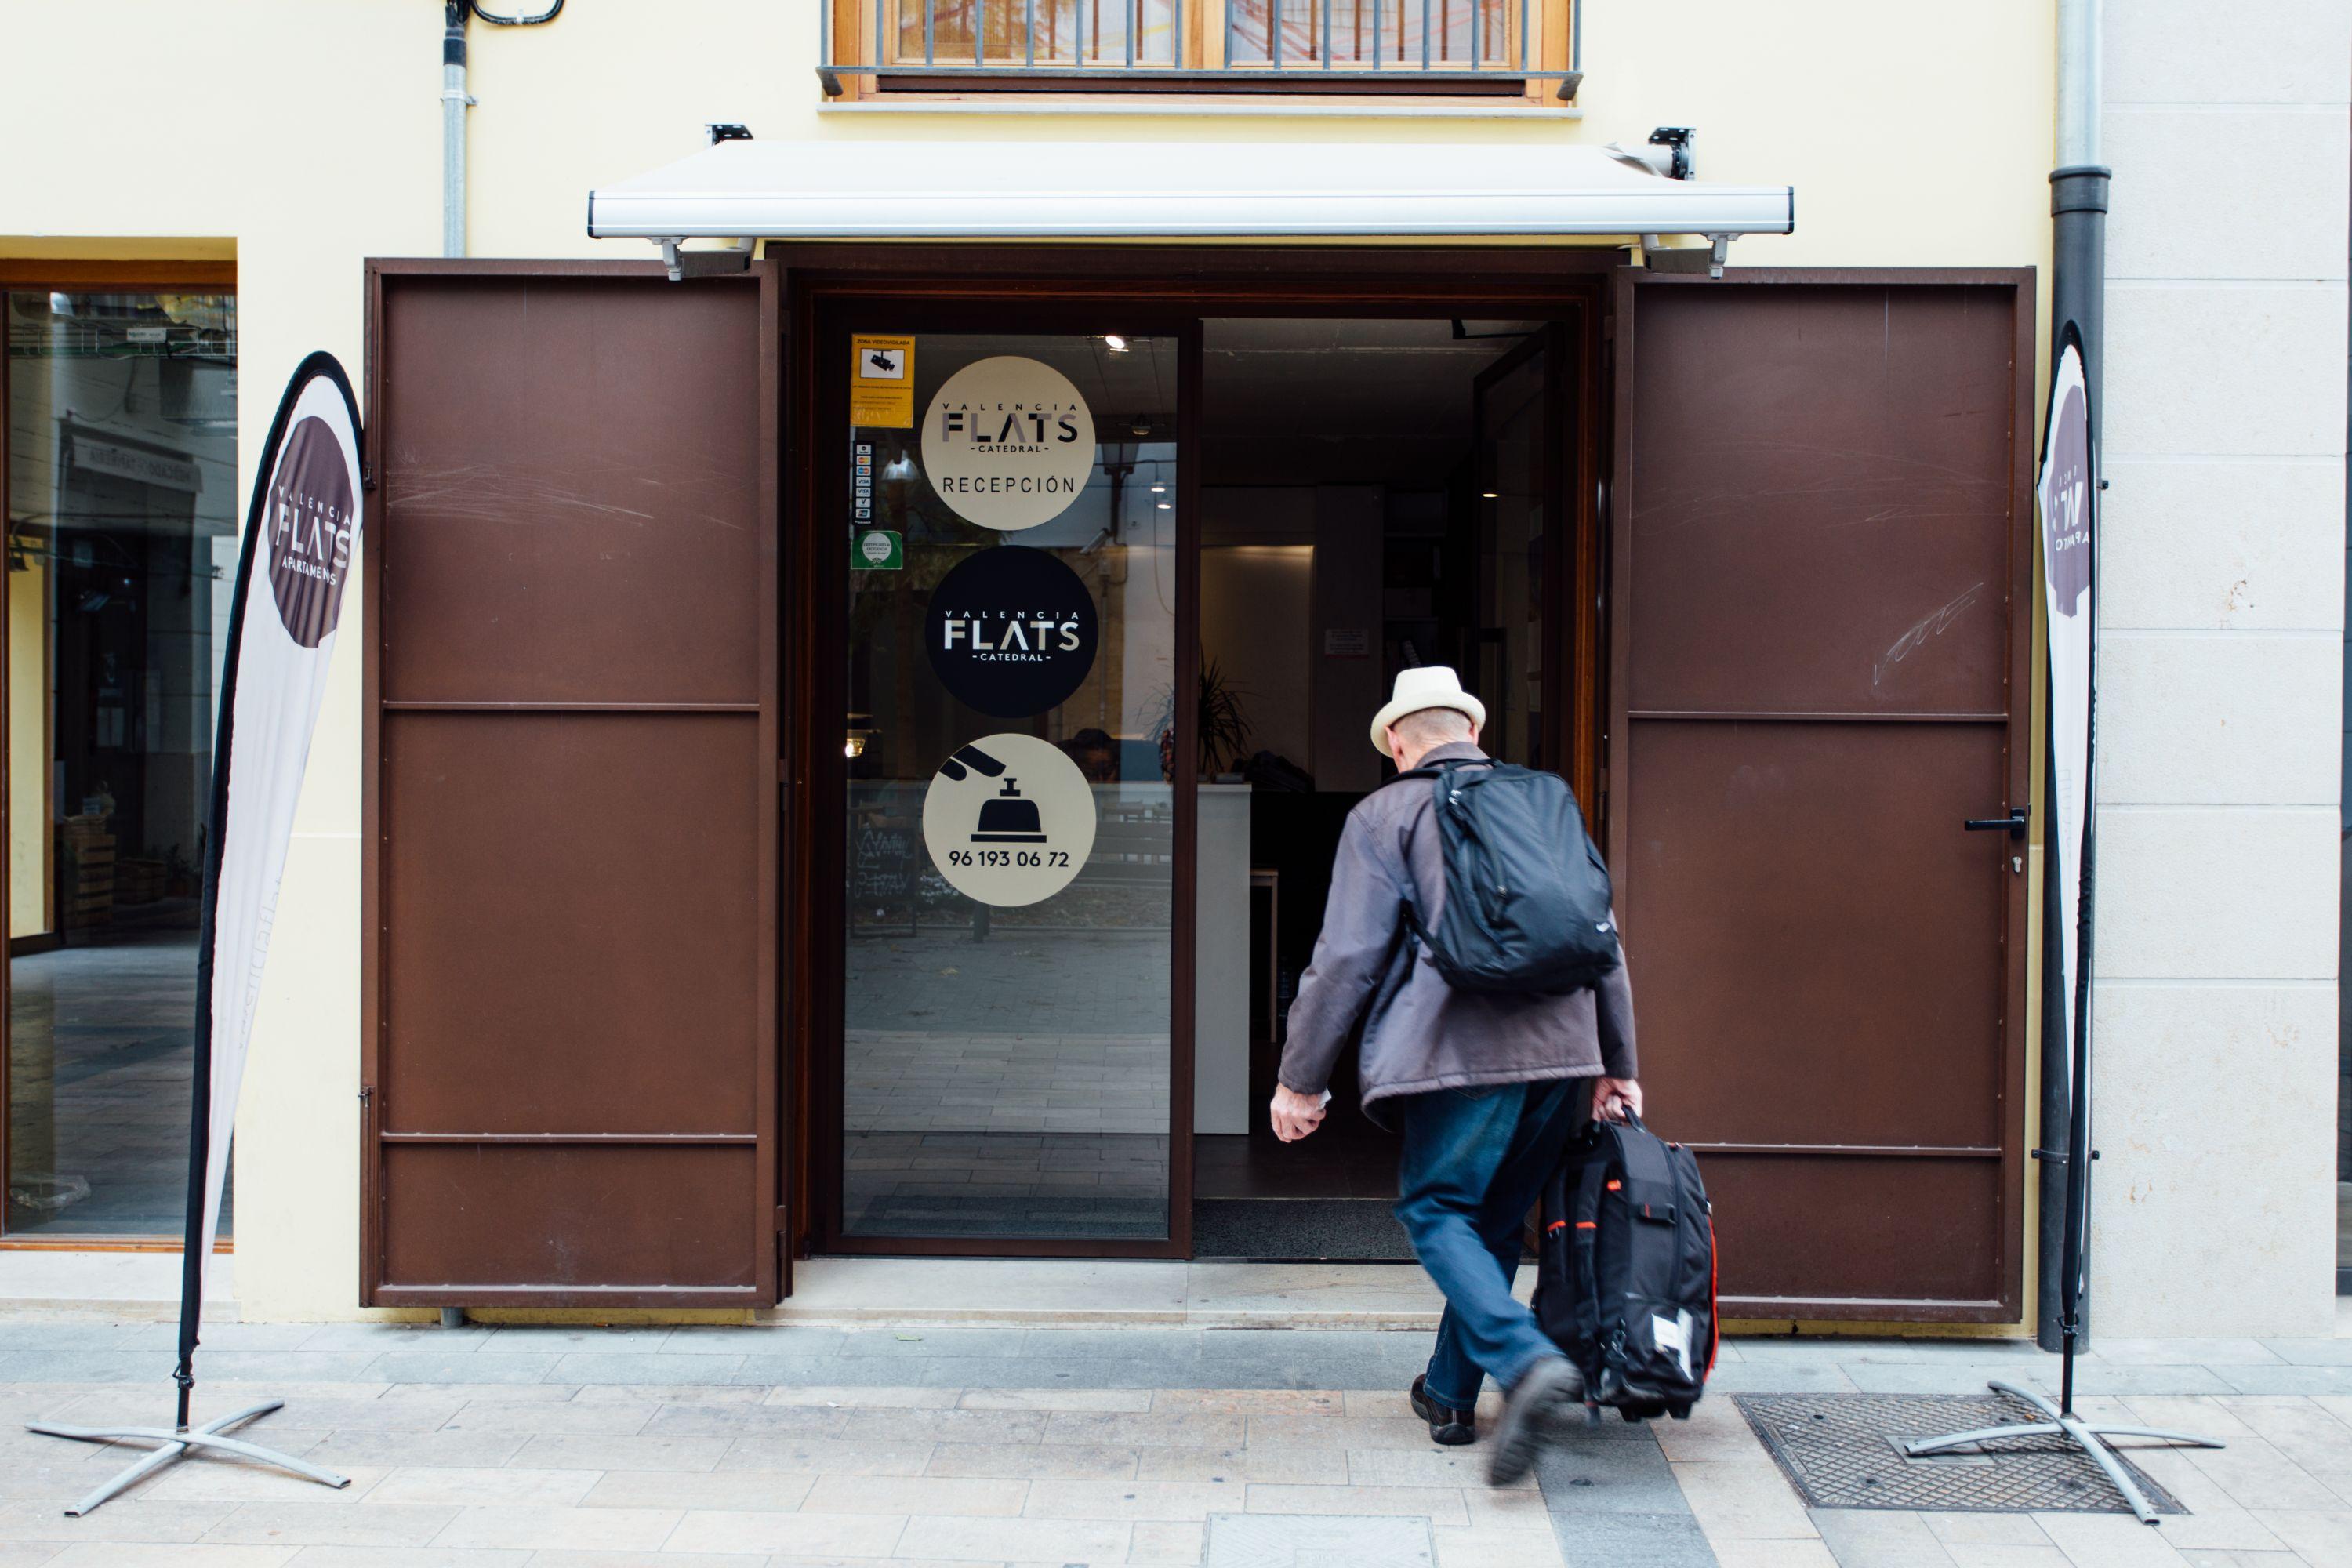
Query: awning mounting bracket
[[684, 264], [1688, 257]]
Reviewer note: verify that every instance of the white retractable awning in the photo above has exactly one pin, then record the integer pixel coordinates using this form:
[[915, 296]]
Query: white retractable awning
[[867, 189]]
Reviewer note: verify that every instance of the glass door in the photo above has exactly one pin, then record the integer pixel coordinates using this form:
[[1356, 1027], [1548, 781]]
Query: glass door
[[1008, 836]]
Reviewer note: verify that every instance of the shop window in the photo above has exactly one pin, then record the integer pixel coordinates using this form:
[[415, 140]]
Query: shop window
[[121, 478], [1507, 49]]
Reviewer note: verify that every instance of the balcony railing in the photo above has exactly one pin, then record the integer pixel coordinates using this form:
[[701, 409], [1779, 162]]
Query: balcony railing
[[1414, 46]]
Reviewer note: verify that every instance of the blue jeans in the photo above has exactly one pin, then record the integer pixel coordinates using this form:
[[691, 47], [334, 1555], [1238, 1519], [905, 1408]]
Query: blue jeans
[[1475, 1162]]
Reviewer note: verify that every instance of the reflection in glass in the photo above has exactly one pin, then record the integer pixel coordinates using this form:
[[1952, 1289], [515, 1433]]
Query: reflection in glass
[[1444, 35], [1060, 32], [1006, 1068], [121, 550]]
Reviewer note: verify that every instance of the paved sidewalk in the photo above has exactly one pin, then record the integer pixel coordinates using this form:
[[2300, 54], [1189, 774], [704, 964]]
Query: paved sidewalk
[[792, 1446]]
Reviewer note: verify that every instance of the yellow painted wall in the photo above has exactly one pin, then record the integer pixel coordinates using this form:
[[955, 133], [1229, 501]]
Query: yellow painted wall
[[28, 751], [303, 137]]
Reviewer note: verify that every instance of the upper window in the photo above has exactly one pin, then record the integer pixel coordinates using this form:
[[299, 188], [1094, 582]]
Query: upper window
[[1513, 48]]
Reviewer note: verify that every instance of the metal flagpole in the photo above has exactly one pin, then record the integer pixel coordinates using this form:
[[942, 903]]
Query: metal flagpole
[[2069, 493], [2060, 1420], [176, 1441]]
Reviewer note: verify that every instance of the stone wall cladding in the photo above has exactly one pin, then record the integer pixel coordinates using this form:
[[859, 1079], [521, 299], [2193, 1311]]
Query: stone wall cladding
[[2221, 669]]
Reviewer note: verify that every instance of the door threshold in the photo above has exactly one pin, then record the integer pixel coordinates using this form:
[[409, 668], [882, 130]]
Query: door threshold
[[132, 1284], [1111, 1293]]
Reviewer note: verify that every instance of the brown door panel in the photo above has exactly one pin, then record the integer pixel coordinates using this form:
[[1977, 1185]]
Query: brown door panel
[[1800, 1229], [577, 496], [1825, 473], [600, 1224], [1849, 934], [573, 745], [587, 982], [1819, 655]]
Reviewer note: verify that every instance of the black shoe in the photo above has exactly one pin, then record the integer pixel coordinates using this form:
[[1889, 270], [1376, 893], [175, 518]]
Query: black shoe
[[1540, 1406], [1447, 1426]]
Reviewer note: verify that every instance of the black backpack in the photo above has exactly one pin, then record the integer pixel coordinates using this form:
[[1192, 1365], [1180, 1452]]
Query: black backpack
[[1527, 894], [1625, 1278]]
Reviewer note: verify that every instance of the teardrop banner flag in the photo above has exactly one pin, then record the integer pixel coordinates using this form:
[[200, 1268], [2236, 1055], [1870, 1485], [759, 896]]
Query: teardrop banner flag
[[2069, 497], [2067, 504], [302, 539]]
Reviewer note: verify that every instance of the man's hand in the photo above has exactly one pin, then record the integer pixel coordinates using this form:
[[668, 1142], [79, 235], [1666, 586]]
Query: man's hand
[[1295, 1114], [1615, 1098]]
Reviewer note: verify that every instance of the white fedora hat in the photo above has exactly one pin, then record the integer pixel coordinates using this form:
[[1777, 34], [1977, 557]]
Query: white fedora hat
[[1430, 686]]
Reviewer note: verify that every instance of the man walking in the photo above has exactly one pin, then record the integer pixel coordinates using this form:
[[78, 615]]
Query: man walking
[[1489, 1086]]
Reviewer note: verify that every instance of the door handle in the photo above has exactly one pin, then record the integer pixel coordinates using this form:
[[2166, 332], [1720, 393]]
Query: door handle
[[2013, 823]]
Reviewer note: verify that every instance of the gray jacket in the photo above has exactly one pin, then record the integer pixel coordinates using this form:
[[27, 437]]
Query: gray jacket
[[1419, 1033]]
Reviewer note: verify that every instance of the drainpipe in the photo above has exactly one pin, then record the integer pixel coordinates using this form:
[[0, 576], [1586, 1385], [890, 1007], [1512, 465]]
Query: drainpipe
[[2078, 248], [453, 104]]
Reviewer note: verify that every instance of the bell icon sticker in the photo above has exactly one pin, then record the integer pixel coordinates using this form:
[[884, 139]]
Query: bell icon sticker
[[1009, 820]]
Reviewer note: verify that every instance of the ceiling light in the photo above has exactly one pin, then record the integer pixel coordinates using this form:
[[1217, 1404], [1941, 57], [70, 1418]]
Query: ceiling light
[[1158, 490], [1490, 495], [1114, 343], [1165, 507]]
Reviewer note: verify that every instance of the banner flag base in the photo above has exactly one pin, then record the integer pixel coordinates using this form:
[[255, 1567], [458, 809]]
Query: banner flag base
[[2089, 1436], [174, 1443]]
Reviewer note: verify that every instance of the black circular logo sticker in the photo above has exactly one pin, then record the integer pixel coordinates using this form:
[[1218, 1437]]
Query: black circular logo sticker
[[1011, 632], [311, 523]]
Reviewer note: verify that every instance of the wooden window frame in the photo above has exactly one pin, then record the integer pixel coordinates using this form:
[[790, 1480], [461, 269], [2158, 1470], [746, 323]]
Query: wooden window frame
[[1546, 75]]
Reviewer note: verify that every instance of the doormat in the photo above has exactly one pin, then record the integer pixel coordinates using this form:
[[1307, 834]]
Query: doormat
[[992, 1215], [1297, 1230], [1845, 1450]]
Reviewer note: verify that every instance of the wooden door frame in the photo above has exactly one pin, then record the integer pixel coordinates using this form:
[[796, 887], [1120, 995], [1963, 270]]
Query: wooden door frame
[[66, 276], [1079, 282], [2013, 1233], [1571, 554], [773, 1121]]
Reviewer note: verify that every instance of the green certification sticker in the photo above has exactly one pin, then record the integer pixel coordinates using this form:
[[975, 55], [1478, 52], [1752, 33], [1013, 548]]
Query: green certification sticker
[[878, 550]]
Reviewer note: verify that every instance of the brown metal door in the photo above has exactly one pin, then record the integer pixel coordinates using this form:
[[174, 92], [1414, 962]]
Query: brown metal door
[[571, 1066], [1820, 633]]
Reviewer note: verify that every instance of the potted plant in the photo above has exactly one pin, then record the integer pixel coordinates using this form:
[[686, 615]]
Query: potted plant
[[1221, 727]]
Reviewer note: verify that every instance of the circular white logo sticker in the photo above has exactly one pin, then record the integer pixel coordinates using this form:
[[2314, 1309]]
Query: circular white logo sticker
[[1009, 820], [1008, 443]]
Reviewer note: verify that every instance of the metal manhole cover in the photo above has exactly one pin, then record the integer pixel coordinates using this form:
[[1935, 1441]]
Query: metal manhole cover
[[1844, 1450]]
